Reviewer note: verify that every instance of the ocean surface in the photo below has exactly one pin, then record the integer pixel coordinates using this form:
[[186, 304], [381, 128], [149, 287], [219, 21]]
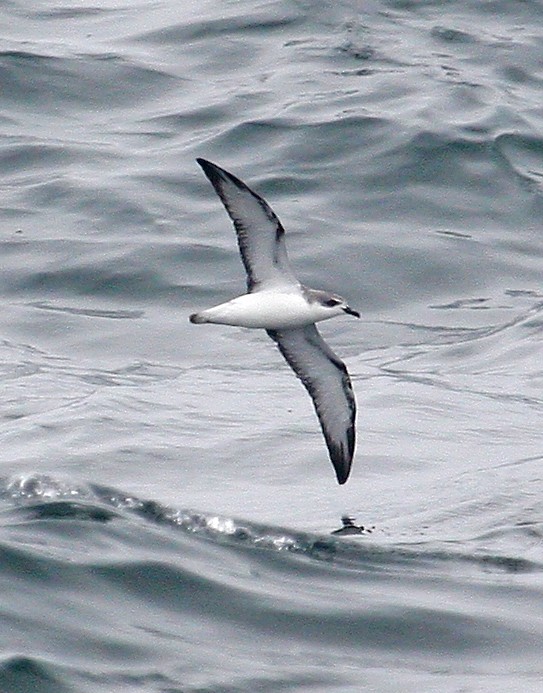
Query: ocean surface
[[168, 511]]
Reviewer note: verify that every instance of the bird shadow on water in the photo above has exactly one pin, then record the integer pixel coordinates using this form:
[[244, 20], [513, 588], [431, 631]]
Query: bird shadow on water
[[348, 527]]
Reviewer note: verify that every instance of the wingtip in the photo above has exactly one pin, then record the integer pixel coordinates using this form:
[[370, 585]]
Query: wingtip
[[342, 467], [342, 475], [216, 175], [205, 164], [342, 454]]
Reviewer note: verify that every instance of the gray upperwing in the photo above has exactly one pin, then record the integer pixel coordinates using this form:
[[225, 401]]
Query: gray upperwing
[[261, 237], [326, 379]]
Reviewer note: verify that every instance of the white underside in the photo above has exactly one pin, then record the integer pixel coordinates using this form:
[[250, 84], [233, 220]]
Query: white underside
[[269, 310]]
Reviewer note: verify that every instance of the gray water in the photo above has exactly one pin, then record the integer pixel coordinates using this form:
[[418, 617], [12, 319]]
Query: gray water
[[166, 499]]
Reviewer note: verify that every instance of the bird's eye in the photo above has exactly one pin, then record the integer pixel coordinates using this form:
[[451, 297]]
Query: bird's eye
[[332, 302]]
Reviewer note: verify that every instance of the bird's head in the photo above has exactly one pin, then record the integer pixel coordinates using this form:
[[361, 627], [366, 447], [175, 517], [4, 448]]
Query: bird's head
[[336, 304]]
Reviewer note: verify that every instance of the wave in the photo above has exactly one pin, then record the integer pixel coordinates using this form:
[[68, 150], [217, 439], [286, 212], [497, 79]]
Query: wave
[[40, 497], [144, 594]]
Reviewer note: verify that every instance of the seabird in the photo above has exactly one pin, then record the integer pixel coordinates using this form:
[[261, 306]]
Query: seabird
[[276, 302]]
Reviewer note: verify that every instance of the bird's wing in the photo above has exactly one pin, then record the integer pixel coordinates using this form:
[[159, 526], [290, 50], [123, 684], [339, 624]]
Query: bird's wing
[[325, 377], [261, 236]]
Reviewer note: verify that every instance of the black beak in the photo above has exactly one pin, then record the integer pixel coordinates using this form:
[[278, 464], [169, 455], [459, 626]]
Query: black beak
[[350, 311]]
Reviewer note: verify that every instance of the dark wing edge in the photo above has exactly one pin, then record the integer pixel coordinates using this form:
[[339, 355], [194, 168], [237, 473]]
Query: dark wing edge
[[216, 176], [341, 451]]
